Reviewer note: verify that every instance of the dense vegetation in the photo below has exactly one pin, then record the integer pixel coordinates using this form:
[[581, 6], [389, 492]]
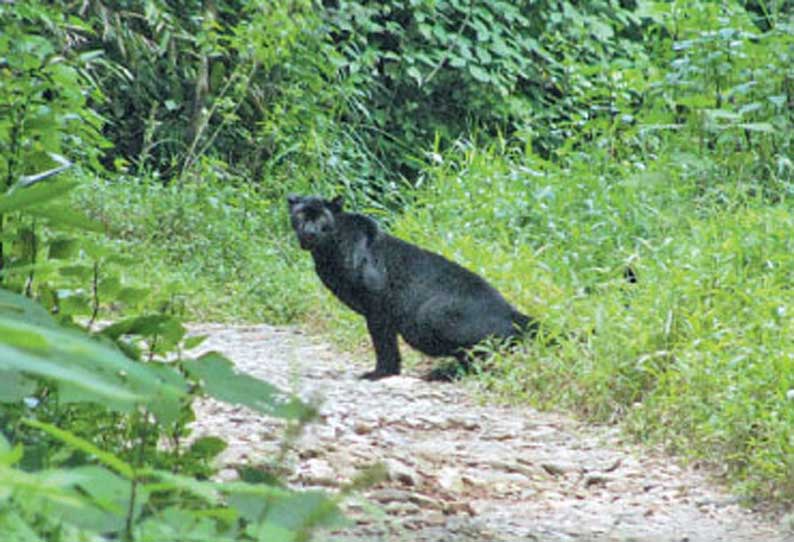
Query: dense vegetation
[[145, 149]]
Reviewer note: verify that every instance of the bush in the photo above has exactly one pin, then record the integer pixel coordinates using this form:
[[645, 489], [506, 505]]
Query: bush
[[219, 247]]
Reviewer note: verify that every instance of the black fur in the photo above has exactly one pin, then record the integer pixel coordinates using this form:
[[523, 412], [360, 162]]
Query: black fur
[[438, 307]]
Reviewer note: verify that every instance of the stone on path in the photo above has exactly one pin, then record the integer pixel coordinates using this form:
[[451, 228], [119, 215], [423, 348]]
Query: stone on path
[[458, 471]]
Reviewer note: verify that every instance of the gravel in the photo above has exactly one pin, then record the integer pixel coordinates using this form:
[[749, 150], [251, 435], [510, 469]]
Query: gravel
[[457, 470]]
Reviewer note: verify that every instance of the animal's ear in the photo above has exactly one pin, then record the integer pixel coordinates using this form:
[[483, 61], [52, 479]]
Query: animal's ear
[[293, 199], [336, 204]]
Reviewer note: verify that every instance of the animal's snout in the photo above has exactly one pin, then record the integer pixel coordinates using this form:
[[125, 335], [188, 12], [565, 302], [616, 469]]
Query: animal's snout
[[307, 240]]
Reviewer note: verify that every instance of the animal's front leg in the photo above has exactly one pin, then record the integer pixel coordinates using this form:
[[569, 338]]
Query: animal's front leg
[[384, 339]]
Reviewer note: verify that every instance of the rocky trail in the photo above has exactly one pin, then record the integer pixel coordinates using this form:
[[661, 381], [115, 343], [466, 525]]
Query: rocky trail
[[459, 471]]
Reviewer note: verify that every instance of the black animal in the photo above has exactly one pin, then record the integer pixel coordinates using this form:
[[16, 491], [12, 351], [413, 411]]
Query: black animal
[[438, 307]]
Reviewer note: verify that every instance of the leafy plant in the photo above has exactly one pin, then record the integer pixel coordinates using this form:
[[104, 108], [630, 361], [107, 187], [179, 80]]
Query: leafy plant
[[452, 68], [85, 411]]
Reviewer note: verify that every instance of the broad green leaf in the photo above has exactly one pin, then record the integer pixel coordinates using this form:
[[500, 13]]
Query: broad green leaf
[[81, 272], [479, 74], [208, 447], [222, 513], [109, 286], [147, 326], [270, 532], [65, 216], [109, 496], [15, 528], [106, 458], [165, 404], [96, 249], [457, 62], [37, 486], [34, 196], [14, 387], [252, 500], [20, 307], [100, 370], [414, 73], [180, 523], [74, 303], [132, 296], [194, 341], [167, 481], [250, 507], [304, 510], [222, 381], [95, 387]]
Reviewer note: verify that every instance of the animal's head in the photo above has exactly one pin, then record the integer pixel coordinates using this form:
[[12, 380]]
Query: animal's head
[[314, 219]]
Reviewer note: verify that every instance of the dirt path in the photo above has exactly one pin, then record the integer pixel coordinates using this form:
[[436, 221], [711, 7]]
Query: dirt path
[[459, 471]]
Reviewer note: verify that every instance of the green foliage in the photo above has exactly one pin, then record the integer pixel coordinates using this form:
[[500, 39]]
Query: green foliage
[[430, 69], [94, 436], [43, 96], [243, 81], [726, 90], [222, 381], [44, 118], [60, 370], [546, 145], [695, 355], [219, 250]]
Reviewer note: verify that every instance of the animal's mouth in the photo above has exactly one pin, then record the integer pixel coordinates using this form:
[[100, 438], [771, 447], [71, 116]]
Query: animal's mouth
[[307, 241]]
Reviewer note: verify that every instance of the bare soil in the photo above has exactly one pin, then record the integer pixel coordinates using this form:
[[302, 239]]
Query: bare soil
[[460, 471]]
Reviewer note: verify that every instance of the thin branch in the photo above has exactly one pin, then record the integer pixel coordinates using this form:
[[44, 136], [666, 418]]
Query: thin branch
[[95, 287], [33, 254], [192, 154], [29, 180], [445, 56]]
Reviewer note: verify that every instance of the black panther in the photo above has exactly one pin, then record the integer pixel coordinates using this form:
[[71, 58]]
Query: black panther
[[438, 307]]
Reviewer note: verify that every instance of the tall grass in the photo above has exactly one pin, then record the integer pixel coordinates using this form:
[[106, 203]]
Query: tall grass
[[697, 354], [688, 184], [221, 248]]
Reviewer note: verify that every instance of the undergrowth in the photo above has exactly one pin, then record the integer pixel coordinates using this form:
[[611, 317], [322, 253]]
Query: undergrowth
[[686, 182], [696, 354], [222, 246]]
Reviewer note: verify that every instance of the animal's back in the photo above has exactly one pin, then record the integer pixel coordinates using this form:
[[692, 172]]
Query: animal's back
[[427, 272]]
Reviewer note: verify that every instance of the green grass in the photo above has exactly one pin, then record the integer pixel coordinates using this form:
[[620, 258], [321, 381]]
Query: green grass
[[697, 355], [222, 249]]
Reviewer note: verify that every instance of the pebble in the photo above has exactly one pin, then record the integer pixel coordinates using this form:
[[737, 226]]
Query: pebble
[[318, 472], [450, 480], [457, 470], [402, 473]]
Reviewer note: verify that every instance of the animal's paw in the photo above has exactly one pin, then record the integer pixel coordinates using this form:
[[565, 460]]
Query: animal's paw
[[446, 372], [375, 375]]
